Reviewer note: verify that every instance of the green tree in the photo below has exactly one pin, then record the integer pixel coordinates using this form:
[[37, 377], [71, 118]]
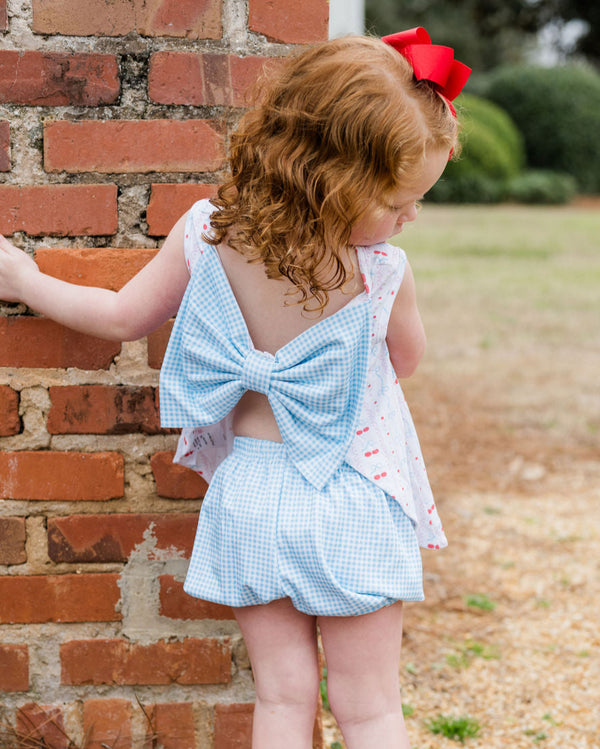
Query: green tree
[[486, 33]]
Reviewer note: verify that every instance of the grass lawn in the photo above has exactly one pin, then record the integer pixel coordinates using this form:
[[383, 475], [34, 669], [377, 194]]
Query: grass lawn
[[510, 297]]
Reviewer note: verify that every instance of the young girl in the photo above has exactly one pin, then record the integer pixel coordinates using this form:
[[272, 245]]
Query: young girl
[[295, 322]]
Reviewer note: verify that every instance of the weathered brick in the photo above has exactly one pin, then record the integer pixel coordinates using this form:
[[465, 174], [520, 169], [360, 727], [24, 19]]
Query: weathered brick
[[157, 344], [61, 475], [175, 481], [10, 423], [59, 210], [94, 266], [168, 202], [233, 725], [3, 16], [4, 146], [173, 723], [112, 538], [57, 79], [294, 23], [132, 146], [41, 726], [176, 604], [38, 342], [192, 661], [14, 668], [13, 536], [107, 723], [28, 599], [175, 18], [205, 79], [103, 409]]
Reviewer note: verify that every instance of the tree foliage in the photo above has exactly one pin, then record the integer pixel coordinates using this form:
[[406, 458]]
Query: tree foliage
[[486, 33]]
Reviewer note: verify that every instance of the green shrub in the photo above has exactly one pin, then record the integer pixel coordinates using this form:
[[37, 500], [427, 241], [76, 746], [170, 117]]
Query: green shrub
[[491, 144], [537, 186], [467, 188], [558, 112]]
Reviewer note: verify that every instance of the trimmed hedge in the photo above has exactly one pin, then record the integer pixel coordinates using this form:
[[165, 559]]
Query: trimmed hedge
[[492, 152], [558, 112], [491, 143]]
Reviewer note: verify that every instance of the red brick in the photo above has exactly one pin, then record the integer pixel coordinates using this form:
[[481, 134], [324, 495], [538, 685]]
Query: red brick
[[176, 604], [10, 423], [59, 598], [41, 726], [112, 538], [4, 146], [132, 146], [157, 344], [175, 18], [61, 475], [59, 210], [173, 723], [12, 541], [103, 409], [294, 23], [175, 481], [95, 266], [168, 203], [38, 342], [233, 726], [107, 723], [14, 668], [57, 79], [204, 79], [192, 661]]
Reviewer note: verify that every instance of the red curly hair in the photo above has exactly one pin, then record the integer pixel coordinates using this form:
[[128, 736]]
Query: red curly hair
[[340, 125]]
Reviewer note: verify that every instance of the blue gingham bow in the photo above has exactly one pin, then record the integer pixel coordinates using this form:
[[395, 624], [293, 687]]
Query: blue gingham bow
[[314, 383]]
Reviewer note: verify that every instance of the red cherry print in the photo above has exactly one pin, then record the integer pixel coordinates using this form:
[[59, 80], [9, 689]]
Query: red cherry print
[[204, 226], [366, 429]]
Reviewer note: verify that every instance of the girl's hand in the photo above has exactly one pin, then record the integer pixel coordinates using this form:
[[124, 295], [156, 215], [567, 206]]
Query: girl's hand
[[15, 267]]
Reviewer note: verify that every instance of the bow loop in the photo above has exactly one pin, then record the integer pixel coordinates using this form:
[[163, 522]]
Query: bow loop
[[431, 62]]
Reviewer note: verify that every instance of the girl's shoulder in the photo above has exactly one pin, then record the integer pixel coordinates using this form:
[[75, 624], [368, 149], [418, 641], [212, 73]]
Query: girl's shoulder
[[382, 266], [197, 224]]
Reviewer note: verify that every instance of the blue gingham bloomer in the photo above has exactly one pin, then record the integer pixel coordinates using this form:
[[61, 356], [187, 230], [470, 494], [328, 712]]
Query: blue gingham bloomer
[[333, 517]]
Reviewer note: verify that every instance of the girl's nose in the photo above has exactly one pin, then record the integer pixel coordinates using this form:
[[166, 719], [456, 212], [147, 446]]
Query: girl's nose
[[410, 214]]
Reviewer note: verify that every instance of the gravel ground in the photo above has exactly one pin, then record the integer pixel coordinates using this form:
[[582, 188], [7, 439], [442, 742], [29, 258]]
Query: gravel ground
[[528, 670]]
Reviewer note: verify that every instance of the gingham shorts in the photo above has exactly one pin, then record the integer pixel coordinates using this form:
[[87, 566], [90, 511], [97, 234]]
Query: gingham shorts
[[265, 533]]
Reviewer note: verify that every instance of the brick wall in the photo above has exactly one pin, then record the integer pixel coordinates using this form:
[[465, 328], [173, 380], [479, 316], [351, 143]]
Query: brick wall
[[114, 118]]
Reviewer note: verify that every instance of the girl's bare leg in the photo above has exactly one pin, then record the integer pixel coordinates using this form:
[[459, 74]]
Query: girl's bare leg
[[363, 658], [282, 645]]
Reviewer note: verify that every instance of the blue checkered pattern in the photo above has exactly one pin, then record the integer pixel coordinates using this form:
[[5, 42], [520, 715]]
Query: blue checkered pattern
[[266, 533], [315, 383]]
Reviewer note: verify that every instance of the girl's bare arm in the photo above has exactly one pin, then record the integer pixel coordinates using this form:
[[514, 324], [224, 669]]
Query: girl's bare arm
[[405, 334], [143, 304]]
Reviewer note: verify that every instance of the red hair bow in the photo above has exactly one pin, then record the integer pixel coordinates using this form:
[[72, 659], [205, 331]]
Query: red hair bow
[[431, 62]]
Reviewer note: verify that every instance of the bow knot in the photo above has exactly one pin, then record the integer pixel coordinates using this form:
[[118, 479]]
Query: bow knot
[[257, 370], [431, 62]]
